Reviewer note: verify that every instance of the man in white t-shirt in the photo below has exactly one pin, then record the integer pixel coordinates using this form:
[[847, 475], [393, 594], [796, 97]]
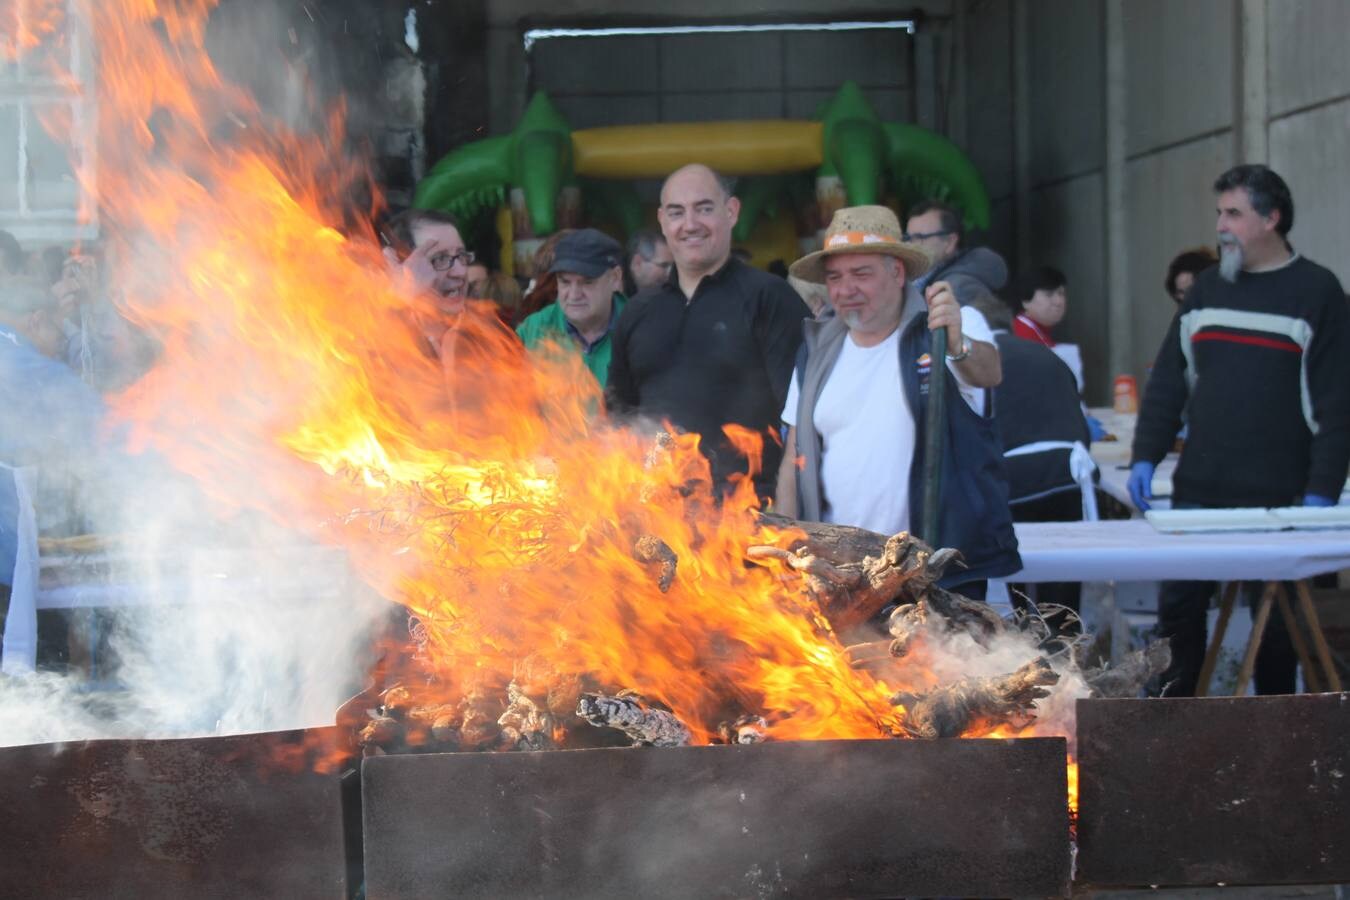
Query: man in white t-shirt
[[855, 403]]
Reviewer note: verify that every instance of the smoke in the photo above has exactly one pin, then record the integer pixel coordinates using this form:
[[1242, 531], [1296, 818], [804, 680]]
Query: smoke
[[942, 657], [214, 622]]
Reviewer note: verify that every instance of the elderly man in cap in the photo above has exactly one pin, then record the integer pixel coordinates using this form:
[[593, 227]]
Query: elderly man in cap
[[589, 267], [856, 406]]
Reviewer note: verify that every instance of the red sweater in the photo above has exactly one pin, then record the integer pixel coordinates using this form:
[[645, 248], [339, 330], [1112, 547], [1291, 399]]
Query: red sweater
[[1025, 327]]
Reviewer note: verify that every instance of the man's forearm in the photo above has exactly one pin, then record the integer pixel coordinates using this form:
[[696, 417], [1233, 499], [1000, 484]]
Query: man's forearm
[[982, 368]]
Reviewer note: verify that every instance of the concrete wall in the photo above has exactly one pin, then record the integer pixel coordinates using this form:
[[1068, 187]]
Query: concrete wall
[[1205, 84], [1067, 154], [1309, 131]]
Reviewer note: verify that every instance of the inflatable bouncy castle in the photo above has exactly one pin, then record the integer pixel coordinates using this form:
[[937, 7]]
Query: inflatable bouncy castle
[[791, 174]]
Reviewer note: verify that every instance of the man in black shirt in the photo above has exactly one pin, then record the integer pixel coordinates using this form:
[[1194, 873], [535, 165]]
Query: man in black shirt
[[1258, 356], [715, 344]]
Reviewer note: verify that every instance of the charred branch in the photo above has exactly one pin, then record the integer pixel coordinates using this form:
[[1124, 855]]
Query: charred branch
[[526, 725], [950, 710], [628, 712], [852, 573], [745, 730], [869, 653], [944, 612], [655, 552], [1134, 671]]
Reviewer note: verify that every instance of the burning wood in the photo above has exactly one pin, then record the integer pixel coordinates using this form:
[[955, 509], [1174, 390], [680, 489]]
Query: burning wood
[[852, 573], [946, 612], [651, 549], [629, 712], [384, 732], [950, 710], [526, 725], [1129, 677], [745, 730], [478, 728], [398, 725]]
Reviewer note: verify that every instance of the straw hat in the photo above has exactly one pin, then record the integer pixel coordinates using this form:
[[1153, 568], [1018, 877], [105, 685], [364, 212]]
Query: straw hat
[[862, 229]]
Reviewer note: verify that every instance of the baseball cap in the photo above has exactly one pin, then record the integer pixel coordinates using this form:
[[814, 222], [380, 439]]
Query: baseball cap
[[586, 252]]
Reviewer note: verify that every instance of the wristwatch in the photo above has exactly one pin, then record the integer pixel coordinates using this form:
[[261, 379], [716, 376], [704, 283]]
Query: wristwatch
[[965, 350]]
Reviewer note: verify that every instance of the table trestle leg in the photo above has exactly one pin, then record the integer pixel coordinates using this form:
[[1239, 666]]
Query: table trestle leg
[[1310, 679], [1259, 621], [1229, 596], [1319, 639]]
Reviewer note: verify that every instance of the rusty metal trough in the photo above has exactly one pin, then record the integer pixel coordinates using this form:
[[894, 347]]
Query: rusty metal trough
[[1245, 790], [1173, 792], [201, 818], [811, 819]]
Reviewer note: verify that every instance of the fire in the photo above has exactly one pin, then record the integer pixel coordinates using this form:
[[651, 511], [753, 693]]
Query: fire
[[484, 496]]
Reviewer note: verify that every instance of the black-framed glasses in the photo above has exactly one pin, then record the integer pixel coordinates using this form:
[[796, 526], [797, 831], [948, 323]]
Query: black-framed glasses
[[923, 235], [443, 262]]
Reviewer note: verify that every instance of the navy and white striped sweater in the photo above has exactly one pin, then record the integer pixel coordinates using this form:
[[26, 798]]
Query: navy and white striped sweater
[[1261, 370]]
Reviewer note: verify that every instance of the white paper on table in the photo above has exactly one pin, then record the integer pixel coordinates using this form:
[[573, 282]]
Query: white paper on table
[[1313, 516], [1181, 521], [1073, 358], [20, 637]]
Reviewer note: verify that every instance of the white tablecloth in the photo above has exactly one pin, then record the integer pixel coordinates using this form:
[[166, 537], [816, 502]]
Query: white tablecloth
[[1133, 551]]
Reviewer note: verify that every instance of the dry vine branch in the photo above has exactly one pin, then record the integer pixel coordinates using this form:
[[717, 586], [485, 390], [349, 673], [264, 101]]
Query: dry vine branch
[[628, 712], [949, 710], [852, 573], [1134, 671]]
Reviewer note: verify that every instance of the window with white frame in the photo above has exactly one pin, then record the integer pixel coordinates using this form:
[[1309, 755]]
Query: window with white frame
[[46, 125]]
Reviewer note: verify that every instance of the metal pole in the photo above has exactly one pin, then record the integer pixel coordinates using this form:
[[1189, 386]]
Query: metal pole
[[935, 427]]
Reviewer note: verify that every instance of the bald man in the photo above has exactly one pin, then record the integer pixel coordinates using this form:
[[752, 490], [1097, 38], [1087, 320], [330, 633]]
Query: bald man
[[715, 344]]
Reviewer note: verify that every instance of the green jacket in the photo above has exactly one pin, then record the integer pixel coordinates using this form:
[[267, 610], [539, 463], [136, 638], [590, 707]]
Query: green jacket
[[550, 324]]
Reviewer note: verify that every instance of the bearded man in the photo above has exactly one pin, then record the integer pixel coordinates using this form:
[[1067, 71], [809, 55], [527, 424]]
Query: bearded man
[[1258, 357], [856, 406]]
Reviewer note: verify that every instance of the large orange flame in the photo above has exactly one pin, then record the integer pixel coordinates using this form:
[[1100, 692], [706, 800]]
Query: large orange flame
[[484, 496]]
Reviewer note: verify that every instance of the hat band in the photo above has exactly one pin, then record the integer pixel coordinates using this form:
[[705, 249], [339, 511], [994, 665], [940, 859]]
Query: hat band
[[857, 239]]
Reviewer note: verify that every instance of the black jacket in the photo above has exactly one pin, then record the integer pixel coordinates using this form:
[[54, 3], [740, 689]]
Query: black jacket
[[722, 357], [1037, 401]]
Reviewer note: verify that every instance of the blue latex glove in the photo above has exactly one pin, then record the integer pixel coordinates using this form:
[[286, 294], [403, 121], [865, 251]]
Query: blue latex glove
[[1140, 484], [1317, 500], [1096, 430]]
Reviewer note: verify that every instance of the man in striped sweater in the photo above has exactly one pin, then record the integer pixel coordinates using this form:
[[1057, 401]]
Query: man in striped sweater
[[1258, 358]]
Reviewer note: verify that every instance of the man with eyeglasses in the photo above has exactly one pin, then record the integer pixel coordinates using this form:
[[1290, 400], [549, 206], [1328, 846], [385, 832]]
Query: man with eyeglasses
[[426, 255], [974, 274]]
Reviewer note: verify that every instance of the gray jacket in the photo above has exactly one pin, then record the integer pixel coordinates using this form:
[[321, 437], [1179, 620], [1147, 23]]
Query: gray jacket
[[974, 274]]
